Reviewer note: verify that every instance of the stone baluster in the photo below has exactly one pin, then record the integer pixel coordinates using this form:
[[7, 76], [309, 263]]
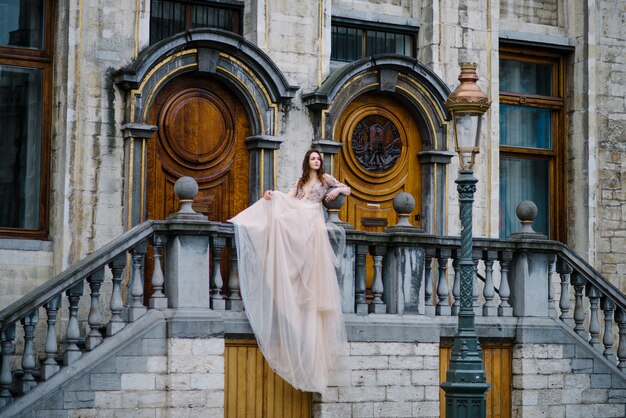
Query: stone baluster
[[442, 308], [564, 270], [428, 281], [476, 256], [377, 305], [620, 318], [578, 282], [234, 302], [505, 309], [95, 319], [456, 286], [489, 308], [360, 284], [72, 352], [51, 364], [217, 283], [29, 322], [594, 320], [116, 323], [551, 271], [137, 308], [6, 377], [158, 299], [608, 306]]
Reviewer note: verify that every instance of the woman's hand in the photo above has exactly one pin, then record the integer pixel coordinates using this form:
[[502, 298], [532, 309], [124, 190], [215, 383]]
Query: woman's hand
[[332, 194], [267, 195]]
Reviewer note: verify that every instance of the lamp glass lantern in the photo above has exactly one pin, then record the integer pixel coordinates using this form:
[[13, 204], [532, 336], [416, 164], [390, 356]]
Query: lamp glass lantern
[[467, 103]]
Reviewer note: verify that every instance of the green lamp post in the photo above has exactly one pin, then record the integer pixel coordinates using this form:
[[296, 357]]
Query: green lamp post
[[465, 384]]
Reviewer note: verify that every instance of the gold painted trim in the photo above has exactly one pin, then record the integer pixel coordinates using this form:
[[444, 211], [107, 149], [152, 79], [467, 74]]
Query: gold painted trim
[[136, 50], [431, 123], [258, 83], [78, 140], [275, 168], [262, 171], [426, 93], [358, 77], [165, 62], [249, 92], [163, 80], [142, 181], [489, 139], [434, 199], [139, 90], [131, 167], [320, 42]]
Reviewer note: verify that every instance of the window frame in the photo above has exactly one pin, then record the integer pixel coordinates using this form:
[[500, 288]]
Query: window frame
[[233, 5], [557, 104], [41, 59], [364, 26]]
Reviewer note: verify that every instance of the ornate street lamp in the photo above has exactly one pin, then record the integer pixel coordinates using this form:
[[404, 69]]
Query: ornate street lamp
[[465, 384]]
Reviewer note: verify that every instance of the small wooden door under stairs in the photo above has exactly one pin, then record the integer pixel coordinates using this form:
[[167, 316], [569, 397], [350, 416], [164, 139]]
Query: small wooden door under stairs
[[498, 358], [252, 389]]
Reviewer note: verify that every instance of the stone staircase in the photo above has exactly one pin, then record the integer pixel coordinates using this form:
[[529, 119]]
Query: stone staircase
[[164, 355]]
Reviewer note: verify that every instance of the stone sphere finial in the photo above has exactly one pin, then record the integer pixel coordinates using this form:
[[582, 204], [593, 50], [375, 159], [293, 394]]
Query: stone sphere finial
[[526, 211], [403, 204], [186, 189]]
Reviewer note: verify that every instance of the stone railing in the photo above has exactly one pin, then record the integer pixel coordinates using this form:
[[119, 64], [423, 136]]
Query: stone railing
[[412, 274]]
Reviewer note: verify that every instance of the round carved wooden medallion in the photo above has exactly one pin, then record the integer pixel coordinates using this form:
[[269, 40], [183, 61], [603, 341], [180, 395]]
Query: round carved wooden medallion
[[376, 143]]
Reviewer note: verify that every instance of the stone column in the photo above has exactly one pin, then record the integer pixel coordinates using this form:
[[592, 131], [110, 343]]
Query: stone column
[[528, 274], [262, 160], [135, 147]]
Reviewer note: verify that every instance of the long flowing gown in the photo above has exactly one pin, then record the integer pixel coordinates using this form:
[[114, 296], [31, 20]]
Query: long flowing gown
[[289, 286]]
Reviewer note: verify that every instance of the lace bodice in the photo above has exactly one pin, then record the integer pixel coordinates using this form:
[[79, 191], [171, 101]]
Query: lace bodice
[[318, 190]]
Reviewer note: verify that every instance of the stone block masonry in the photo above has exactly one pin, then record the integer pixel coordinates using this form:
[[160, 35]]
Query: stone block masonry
[[549, 381], [384, 379]]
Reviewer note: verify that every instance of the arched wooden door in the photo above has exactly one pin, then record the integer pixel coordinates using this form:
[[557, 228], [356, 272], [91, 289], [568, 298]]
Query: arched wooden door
[[201, 133], [378, 160]]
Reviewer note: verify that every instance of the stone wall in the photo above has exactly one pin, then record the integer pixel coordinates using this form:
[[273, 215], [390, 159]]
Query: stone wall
[[545, 12], [555, 380], [24, 266], [384, 380], [610, 79]]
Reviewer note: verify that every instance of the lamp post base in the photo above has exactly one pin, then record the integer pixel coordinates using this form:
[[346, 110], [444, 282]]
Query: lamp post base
[[465, 400]]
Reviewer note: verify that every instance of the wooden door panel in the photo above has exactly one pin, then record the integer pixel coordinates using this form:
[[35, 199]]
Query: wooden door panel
[[378, 160], [201, 133], [254, 390], [497, 358]]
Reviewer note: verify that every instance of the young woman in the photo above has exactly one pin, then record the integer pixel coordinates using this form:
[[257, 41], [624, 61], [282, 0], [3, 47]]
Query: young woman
[[288, 280]]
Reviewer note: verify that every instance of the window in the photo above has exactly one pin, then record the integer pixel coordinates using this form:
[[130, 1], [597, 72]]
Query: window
[[352, 40], [25, 105], [168, 18], [532, 111]]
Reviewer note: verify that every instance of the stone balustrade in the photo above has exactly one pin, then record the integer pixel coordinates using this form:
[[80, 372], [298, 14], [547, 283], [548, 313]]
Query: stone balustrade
[[412, 274]]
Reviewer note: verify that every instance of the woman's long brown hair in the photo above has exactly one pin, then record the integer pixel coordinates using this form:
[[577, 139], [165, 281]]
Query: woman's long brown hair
[[305, 170]]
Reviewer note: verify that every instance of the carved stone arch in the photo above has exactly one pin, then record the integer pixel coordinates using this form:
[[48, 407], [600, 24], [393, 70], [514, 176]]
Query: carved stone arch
[[424, 94], [242, 66], [239, 65]]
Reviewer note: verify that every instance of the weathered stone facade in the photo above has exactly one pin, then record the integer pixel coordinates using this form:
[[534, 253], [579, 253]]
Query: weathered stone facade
[[548, 380], [87, 202]]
